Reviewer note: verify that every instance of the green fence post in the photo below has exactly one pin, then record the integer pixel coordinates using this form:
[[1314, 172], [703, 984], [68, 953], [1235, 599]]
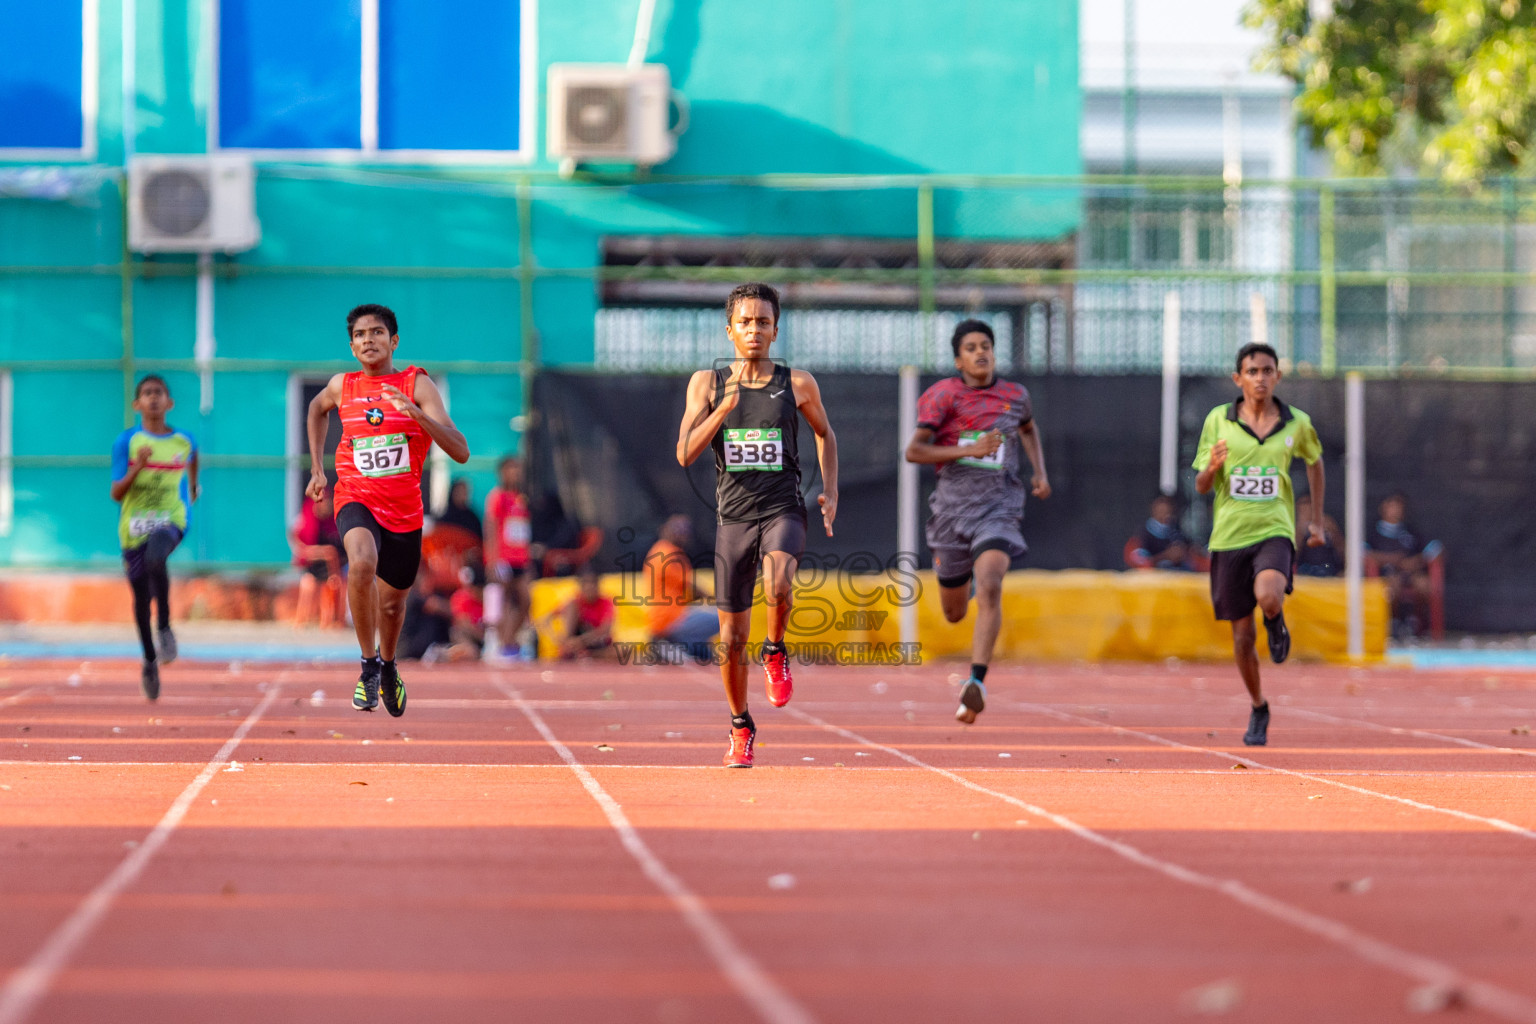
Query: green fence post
[[1507, 293], [529, 355], [1328, 297], [125, 279], [925, 261]]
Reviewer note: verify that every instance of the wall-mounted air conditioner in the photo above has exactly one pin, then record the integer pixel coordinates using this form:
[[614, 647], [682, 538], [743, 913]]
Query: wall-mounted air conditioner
[[192, 204], [612, 113]]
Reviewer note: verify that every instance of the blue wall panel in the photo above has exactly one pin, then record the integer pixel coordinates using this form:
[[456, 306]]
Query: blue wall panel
[[40, 75], [290, 74], [449, 77]]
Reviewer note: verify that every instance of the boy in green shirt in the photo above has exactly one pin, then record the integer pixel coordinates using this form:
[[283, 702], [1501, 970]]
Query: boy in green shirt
[[154, 475], [1245, 455]]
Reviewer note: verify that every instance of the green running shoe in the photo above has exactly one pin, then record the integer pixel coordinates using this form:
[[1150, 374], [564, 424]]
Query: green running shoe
[[392, 690], [366, 696]]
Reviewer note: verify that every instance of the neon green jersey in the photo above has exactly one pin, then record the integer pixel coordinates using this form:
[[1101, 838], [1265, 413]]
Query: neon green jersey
[[158, 494], [1253, 489]]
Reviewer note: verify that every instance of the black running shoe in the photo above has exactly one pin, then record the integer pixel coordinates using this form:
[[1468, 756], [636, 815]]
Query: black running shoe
[[973, 700], [366, 696], [1279, 638], [167, 646], [149, 680], [392, 690], [1258, 727]]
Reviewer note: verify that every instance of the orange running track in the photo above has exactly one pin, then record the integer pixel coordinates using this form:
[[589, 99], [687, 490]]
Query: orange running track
[[558, 844]]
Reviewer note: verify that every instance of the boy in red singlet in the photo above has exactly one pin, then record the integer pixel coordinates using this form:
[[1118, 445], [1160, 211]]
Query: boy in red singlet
[[389, 420], [508, 559]]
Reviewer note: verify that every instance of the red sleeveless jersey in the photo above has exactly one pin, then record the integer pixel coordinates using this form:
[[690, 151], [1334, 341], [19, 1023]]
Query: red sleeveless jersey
[[382, 450]]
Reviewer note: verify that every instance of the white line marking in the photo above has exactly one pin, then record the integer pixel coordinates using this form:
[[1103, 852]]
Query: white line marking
[[1403, 731], [1498, 823], [760, 991], [1495, 1000], [27, 986], [418, 766], [17, 698]]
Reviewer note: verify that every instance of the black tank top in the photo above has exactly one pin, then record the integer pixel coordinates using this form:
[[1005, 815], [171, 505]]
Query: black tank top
[[757, 459]]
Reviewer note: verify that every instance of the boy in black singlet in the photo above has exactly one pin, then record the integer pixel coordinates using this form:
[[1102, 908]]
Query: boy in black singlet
[[747, 414]]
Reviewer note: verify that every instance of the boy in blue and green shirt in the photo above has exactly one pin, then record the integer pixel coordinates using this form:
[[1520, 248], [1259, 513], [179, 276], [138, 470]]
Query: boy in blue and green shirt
[[1245, 454], [154, 476]]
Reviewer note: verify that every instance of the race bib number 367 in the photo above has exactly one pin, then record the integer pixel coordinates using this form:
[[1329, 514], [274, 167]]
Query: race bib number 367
[[747, 449], [1254, 483], [382, 455]]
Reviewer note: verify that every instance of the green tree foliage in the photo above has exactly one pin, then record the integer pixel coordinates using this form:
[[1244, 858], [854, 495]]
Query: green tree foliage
[[1446, 87]]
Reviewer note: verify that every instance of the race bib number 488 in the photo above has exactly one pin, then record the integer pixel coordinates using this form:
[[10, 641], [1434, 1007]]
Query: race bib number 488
[[382, 455], [1254, 483], [146, 523], [747, 449]]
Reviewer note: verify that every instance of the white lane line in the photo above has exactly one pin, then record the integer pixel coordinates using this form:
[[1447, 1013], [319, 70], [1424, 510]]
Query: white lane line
[[761, 992], [27, 986], [17, 698], [1498, 823], [1419, 968], [459, 766], [1403, 731]]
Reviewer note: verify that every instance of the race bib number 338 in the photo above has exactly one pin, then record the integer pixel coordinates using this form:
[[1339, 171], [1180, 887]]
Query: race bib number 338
[[382, 455], [748, 449], [1254, 483]]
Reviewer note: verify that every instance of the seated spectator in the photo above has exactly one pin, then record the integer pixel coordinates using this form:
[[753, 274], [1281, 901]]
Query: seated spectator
[[1401, 557], [667, 589], [318, 550], [585, 621], [466, 632], [428, 621], [459, 511], [1327, 560], [1161, 544]]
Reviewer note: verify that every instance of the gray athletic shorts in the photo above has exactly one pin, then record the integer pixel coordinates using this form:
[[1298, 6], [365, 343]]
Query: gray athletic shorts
[[739, 548], [956, 541]]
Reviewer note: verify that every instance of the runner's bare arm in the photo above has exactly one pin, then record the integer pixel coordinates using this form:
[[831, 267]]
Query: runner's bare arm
[[700, 422], [923, 451], [315, 424], [1206, 478], [120, 487], [428, 410], [1029, 440], [193, 488], [808, 401], [1317, 533]]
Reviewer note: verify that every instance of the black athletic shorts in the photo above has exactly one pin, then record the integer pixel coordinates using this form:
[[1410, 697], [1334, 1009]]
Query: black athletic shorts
[[739, 547], [1233, 573], [399, 553]]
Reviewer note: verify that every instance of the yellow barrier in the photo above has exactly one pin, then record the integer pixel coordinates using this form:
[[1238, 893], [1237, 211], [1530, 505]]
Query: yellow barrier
[[1075, 615]]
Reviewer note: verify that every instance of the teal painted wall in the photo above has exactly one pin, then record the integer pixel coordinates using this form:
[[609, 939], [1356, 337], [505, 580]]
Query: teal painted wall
[[868, 87]]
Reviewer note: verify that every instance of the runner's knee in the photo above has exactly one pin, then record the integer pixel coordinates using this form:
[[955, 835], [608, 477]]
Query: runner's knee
[[363, 566]]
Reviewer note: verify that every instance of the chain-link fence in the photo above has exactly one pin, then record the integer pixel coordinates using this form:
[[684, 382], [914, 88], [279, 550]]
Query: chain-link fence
[[496, 274]]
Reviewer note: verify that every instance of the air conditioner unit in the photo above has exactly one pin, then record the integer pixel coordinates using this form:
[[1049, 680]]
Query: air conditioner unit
[[192, 204], [614, 113]]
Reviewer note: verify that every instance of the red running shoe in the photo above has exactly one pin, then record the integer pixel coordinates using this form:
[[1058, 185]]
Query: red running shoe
[[740, 753], [779, 685]]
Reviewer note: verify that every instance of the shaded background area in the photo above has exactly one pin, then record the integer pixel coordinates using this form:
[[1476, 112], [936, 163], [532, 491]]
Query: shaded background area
[[603, 448]]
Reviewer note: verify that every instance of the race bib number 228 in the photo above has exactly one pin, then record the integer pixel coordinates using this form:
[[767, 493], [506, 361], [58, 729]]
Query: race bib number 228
[[1254, 483]]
